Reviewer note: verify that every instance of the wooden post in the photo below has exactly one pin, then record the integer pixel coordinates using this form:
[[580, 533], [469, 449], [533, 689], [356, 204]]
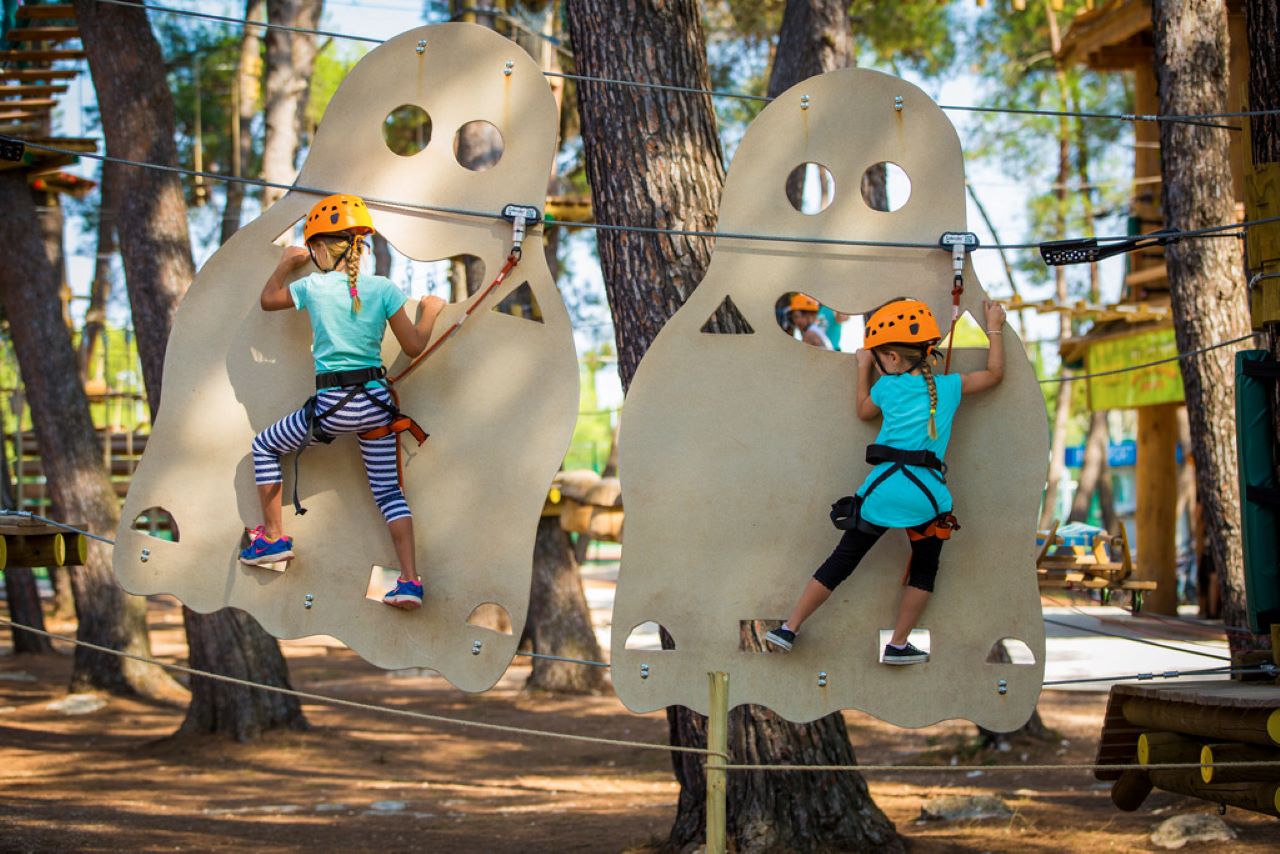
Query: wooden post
[[1226, 753], [36, 550], [1259, 726], [1131, 789], [718, 741], [1157, 479]]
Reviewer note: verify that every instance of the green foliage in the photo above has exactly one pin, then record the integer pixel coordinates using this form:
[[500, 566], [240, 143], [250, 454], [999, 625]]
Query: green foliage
[[593, 435], [333, 63]]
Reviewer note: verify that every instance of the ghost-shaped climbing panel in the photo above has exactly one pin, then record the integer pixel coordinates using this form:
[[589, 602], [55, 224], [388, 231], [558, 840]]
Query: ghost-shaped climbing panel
[[498, 398], [734, 446]]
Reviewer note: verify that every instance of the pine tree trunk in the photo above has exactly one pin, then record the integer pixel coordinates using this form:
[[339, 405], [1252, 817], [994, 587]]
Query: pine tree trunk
[[1262, 18], [1094, 468], [138, 120], [95, 317], [247, 90], [654, 159], [23, 599], [77, 479], [290, 59], [1206, 277], [559, 620], [231, 643]]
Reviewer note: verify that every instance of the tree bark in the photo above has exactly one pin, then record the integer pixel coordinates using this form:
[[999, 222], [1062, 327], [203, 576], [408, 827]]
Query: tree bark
[[230, 642], [653, 159], [95, 317], [23, 599], [137, 111], [77, 479], [1205, 276], [290, 59], [1094, 469], [247, 91], [559, 620]]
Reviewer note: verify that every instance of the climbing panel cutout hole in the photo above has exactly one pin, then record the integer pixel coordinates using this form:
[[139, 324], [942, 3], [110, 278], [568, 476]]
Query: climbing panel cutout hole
[[811, 188], [647, 637], [889, 179], [727, 320], [157, 522], [794, 309], [407, 130], [969, 334], [1011, 651], [751, 635], [919, 638], [492, 616], [521, 303], [381, 580], [478, 145]]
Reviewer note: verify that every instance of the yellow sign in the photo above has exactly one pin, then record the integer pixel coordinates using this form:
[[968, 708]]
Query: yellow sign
[[1146, 387]]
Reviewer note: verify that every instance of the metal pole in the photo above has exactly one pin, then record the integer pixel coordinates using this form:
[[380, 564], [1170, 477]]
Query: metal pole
[[718, 743]]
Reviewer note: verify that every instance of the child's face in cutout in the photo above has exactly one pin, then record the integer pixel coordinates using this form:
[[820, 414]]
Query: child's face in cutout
[[803, 319]]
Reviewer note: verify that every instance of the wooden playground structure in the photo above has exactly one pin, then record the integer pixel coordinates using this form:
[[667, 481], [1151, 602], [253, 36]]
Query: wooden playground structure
[[1106, 565]]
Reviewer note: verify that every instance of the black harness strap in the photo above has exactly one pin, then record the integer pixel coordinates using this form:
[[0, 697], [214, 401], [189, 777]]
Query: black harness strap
[[354, 382], [847, 513]]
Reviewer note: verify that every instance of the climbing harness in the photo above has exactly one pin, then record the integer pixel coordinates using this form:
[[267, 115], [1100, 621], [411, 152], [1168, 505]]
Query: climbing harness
[[960, 243], [846, 514], [348, 213]]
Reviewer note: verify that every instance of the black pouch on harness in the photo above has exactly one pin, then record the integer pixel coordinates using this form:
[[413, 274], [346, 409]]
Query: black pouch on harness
[[846, 512]]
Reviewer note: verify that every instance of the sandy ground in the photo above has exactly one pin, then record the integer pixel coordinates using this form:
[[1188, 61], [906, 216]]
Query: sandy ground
[[114, 779]]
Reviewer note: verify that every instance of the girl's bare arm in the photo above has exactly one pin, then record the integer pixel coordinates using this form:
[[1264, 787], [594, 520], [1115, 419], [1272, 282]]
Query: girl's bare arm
[[992, 376], [414, 337], [867, 410], [275, 293]]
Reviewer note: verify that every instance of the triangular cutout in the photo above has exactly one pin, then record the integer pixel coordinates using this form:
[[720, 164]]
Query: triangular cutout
[[969, 333], [727, 320], [521, 303]]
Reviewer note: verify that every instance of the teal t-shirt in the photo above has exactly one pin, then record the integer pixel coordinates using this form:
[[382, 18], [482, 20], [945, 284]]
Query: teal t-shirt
[[342, 340], [904, 401]]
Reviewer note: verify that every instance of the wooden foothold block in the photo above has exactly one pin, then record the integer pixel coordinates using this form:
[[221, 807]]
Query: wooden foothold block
[[499, 398]]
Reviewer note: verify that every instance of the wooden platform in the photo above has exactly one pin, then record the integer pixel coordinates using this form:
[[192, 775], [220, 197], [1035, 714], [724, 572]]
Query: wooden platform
[[1106, 564]]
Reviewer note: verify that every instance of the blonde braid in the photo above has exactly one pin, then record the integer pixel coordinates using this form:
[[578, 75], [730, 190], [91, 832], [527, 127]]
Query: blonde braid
[[353, 272], [933, 396]]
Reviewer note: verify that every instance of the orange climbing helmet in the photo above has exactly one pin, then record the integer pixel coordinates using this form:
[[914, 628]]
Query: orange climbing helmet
[[803, 302], [338, 213], [902, 321]]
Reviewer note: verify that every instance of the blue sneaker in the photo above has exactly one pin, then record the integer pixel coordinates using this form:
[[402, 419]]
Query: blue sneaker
[[264, 552], [406, 595]]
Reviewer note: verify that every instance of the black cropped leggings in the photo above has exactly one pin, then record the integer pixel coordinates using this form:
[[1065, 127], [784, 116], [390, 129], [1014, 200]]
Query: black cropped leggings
[[855, 544]]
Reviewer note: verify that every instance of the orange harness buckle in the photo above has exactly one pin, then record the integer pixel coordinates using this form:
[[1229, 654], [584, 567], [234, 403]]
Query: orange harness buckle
[[402, 424], [940, 528]]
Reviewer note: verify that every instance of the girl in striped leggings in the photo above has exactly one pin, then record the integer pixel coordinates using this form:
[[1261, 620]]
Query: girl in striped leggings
[[349, 314]]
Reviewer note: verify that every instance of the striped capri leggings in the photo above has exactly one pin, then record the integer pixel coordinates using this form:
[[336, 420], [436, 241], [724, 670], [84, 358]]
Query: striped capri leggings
[[288, 435]]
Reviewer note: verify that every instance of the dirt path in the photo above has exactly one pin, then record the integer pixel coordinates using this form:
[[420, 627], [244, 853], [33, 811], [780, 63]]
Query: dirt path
[[111, 779]]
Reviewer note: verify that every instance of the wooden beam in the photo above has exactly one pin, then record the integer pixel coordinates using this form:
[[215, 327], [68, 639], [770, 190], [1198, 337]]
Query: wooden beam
[[42, 34], [1162, 748], [47, 12], [1157, 505], [26, 103], [38, 89], [38, 73], [38, 550], [1212, 753], [39, 55], [1128, 792], [1221, 723], [20, 115], [1259, 797]]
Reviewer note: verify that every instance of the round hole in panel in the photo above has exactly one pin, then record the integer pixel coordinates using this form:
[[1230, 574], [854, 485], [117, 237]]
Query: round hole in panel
[[407, 130], [478, 145], [811, 188], [885, 187]]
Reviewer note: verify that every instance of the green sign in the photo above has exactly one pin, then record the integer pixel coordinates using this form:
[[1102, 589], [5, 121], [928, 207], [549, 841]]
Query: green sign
[[1146, 387]]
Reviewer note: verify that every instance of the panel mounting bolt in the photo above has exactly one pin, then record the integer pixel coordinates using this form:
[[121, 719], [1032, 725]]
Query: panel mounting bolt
[[1002, 687], [421, 48], [509, 67], [308, 600], [145, 556], [804, 102], [644, 671], [822, 678], [897, 103], [475, 647]]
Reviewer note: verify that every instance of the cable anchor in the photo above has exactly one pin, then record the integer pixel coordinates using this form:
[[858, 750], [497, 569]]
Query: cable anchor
[[961, 243], [519, 216]]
